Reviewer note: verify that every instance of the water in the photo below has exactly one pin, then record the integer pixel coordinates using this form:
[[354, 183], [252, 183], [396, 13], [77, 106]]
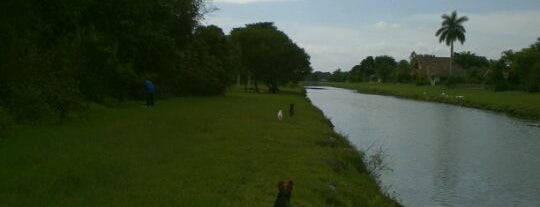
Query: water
[[441, 155]]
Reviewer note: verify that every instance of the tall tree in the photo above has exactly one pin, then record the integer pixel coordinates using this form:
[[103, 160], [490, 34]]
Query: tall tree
[[384, 67], [270, 55], [403, 71], [452, 30], [367, 67]]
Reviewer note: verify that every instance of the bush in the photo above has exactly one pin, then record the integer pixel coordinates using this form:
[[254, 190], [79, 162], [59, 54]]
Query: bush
[[422, 81], [5, 122], [453, 81], [52, 62], [475, 75], [29, 104], [532, 84], [495, 78]]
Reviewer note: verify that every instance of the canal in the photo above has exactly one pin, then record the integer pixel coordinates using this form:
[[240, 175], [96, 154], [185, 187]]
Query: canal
[[439, 154]]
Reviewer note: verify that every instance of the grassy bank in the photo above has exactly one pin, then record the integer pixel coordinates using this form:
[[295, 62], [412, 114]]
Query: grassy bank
[[215, 151], [515, 103]]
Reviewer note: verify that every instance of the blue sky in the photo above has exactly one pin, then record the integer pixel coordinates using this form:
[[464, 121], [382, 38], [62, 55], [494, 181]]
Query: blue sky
[[340, 33]]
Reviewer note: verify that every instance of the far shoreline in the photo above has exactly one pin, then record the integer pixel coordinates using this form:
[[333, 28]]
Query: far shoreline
[[417, 93]]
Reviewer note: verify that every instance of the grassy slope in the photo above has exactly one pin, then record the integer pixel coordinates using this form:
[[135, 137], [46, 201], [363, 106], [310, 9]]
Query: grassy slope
[[216, 151], [517, 103]]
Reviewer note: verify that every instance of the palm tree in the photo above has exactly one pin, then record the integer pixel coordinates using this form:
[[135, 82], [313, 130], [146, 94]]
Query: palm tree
[[451, 30]]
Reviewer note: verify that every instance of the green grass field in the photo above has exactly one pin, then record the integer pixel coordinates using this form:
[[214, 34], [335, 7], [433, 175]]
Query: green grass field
[[517, 103], [215, 151]]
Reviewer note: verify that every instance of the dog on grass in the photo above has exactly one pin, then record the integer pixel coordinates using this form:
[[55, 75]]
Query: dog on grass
[[284, 196], [279, 115], [291, 110]]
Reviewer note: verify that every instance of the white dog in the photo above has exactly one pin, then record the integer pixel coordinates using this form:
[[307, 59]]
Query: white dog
[[280, 115]]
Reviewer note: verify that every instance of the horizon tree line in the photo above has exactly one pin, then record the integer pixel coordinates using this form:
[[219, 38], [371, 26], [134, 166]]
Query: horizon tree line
[[57, 56], [513, 71]]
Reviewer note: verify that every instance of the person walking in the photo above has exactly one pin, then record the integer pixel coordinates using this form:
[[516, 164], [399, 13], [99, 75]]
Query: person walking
[[150, 89]]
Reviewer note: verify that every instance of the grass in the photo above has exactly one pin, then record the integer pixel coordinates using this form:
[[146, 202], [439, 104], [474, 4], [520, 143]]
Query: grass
[[515, 103], [213, 151]]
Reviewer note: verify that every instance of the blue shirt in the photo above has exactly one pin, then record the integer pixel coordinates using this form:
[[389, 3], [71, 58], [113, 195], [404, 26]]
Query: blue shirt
[[149, 86]]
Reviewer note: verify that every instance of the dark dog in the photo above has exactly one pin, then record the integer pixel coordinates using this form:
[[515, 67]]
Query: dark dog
[[291, 110], [284, 195]]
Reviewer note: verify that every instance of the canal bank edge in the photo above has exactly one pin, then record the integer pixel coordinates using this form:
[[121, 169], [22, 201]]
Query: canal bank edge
[[345, 154], [508, 110]]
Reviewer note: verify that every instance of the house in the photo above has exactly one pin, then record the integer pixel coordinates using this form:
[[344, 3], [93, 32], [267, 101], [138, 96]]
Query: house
[[434, 69]]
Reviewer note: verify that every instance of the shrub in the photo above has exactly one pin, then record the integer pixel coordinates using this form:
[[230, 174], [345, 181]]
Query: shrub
[[422, 81], [532, 84], [29, 104], [453, 81], [5, 122]]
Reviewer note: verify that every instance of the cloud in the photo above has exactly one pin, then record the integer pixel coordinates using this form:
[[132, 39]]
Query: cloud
[[246, 1], [343, 45], [382, 25], [488, 34]]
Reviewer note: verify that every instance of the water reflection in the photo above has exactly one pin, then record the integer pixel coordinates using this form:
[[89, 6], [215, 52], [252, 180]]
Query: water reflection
[[441, 155]]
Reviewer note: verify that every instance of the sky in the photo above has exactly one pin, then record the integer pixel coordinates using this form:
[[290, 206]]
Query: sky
[[340, 33]]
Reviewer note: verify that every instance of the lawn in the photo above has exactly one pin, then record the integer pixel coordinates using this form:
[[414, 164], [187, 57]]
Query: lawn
[[517, 103], [210, 151]]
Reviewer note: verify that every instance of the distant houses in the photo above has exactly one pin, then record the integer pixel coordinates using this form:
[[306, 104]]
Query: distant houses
[[434, 69]]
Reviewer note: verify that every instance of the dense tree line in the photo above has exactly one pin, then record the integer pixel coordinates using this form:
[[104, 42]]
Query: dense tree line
[[517, 70], [57, 55], [513, 71], [381, 68]]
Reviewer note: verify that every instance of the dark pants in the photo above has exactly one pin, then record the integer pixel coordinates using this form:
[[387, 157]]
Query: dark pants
[[149, 99]]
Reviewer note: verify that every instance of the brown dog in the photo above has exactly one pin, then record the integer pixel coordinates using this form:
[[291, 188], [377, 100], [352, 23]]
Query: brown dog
[[284, 195]]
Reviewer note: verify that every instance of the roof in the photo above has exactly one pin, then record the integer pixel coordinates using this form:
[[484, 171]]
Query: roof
[[437, 66]]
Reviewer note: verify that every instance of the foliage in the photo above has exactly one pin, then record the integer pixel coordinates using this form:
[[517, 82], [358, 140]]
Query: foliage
[[319, 76], [452, 30], [422, 80], [516, 70], [525, 67], [474, 66], [270, 56], [384, 67], [453, 81], [58, 54], [367, 68], [209, 67], [355, 74], [469, 60], [403, 71], [339, 76], [5, 122]]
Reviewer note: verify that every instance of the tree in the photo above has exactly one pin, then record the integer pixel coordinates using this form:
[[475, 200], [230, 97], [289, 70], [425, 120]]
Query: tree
[[469, 60], [452, 30], [384, 67], [495, 75], [270, 55], [525, 67], [474, 66], [403, 71], [367, 67], [319, 76], [355, 75], [209, 66], [339, 76], [57, 55]]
